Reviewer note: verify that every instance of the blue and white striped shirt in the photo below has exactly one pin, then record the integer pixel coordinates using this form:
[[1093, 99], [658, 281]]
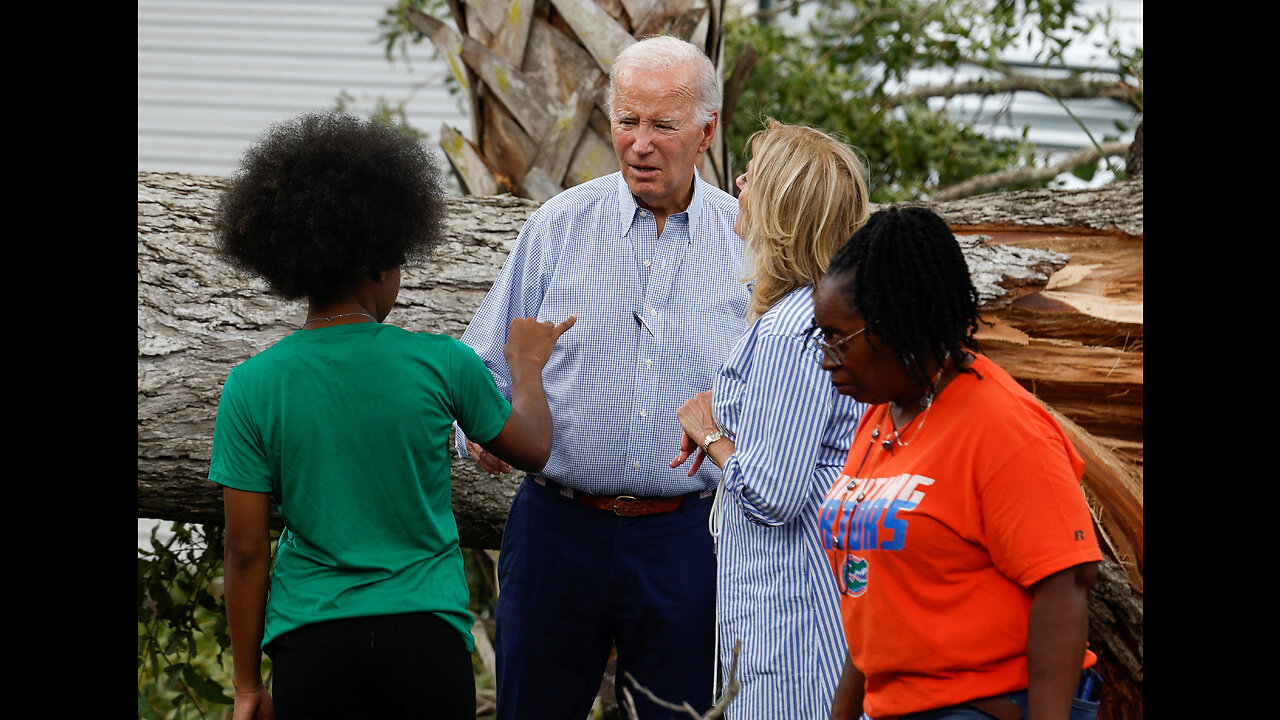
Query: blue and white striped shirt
[[614, 383], [774, 589]]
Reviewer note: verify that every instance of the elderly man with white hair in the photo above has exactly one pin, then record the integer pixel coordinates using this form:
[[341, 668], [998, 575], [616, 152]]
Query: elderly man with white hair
[[609, 544]]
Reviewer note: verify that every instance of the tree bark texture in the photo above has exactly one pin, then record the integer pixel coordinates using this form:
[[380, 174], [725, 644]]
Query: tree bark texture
[[197, 319]]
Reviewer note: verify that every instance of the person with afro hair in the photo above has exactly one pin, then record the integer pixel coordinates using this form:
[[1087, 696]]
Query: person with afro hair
[[344, 425], [957, 533]]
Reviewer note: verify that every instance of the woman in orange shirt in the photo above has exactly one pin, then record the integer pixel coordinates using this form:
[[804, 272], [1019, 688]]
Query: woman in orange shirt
[[957, 532]]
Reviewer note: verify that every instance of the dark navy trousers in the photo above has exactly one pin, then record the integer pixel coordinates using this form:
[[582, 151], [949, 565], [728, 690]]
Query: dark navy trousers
[[573, 580]]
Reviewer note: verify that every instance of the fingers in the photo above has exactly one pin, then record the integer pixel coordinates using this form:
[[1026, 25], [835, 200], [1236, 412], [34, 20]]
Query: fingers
[[486, 460], [701, 401], [680, 458], [494, 468], [492, 464], [556, 330], [527, 336], [568, 323], [697, 462], [687, 446]]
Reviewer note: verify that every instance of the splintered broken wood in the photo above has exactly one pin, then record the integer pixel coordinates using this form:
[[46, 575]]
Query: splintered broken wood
[[1114, 492], [536, 75], [1075, 341]]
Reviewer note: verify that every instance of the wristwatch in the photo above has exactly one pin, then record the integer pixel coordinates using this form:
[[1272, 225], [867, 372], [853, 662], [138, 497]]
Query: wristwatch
[[710, 439]]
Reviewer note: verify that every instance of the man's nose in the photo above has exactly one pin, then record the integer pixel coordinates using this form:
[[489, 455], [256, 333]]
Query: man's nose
[[643, 142]]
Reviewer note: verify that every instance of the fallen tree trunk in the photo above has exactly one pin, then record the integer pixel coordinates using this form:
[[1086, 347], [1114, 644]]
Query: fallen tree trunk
[[197, 319]]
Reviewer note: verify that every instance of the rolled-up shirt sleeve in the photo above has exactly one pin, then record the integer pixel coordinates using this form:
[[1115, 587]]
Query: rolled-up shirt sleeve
[[784, 410]]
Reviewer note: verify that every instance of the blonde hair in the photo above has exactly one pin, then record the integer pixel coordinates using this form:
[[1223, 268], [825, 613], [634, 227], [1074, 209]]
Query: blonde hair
[[808, 195]]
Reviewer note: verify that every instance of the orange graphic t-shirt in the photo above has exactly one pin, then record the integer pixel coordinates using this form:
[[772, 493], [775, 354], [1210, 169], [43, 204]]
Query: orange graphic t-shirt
[[935, 544]]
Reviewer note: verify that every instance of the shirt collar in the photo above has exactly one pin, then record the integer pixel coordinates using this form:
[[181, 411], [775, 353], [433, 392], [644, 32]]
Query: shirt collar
[[627, 202]]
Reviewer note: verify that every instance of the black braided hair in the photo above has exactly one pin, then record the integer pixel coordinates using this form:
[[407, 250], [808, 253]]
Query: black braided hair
[[324, 199], [906, 276]]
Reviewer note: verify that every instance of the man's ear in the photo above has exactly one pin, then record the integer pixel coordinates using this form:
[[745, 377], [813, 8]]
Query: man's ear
[[709, 131]]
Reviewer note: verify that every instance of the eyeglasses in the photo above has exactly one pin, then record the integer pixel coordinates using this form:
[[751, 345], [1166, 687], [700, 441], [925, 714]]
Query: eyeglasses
[[833, 351]]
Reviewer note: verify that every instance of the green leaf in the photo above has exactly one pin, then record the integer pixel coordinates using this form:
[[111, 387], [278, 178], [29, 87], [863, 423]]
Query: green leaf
[[144, 708], [204, 687]]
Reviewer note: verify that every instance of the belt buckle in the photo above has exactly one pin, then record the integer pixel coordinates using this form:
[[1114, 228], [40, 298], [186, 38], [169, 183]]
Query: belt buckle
[[619, 498]]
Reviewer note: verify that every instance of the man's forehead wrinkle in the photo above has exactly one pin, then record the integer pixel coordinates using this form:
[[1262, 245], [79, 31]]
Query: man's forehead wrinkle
[[682, 95], [626, 111]]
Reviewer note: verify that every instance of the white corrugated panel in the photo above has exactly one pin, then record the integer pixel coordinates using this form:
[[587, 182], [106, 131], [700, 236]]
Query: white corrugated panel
[[213, 74]]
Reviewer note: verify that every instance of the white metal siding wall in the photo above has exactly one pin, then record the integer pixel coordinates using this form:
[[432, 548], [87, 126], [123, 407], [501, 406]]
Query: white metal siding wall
[[213, 74], [1048, 124]]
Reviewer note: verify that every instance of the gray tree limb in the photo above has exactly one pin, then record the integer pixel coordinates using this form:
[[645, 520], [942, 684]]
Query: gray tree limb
[[1114, 209], [1070, 88], [1031, 175], [197, 319]]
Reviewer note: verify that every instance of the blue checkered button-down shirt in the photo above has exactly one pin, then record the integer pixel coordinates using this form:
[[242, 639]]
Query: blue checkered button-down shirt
[[614, 383]]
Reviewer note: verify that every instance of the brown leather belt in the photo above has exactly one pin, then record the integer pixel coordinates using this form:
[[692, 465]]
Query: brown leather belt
[[628, 506], [621, 505]]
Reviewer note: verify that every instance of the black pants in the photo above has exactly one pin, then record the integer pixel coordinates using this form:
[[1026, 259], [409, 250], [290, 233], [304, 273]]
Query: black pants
[[411, 665]]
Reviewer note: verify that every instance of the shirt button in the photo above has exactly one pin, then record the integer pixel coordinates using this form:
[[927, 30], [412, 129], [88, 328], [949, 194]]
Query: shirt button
[[647, 263], [653, 313], [636, 466], [648, 363], [644, 413]]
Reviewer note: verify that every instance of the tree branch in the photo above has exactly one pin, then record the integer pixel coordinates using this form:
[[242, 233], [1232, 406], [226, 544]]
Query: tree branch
[[742, 66], [856, 27], [716, 711], [1029, 175], [771, 13], [1062, 88]]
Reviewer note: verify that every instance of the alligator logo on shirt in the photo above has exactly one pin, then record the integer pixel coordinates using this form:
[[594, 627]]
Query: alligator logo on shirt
[[855, 576]]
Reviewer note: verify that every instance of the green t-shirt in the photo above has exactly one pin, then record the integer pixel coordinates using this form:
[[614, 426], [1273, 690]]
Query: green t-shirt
[[348, 428]]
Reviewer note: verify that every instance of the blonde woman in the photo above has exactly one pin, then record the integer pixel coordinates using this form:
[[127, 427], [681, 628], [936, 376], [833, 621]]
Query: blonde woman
[[779, 430]]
